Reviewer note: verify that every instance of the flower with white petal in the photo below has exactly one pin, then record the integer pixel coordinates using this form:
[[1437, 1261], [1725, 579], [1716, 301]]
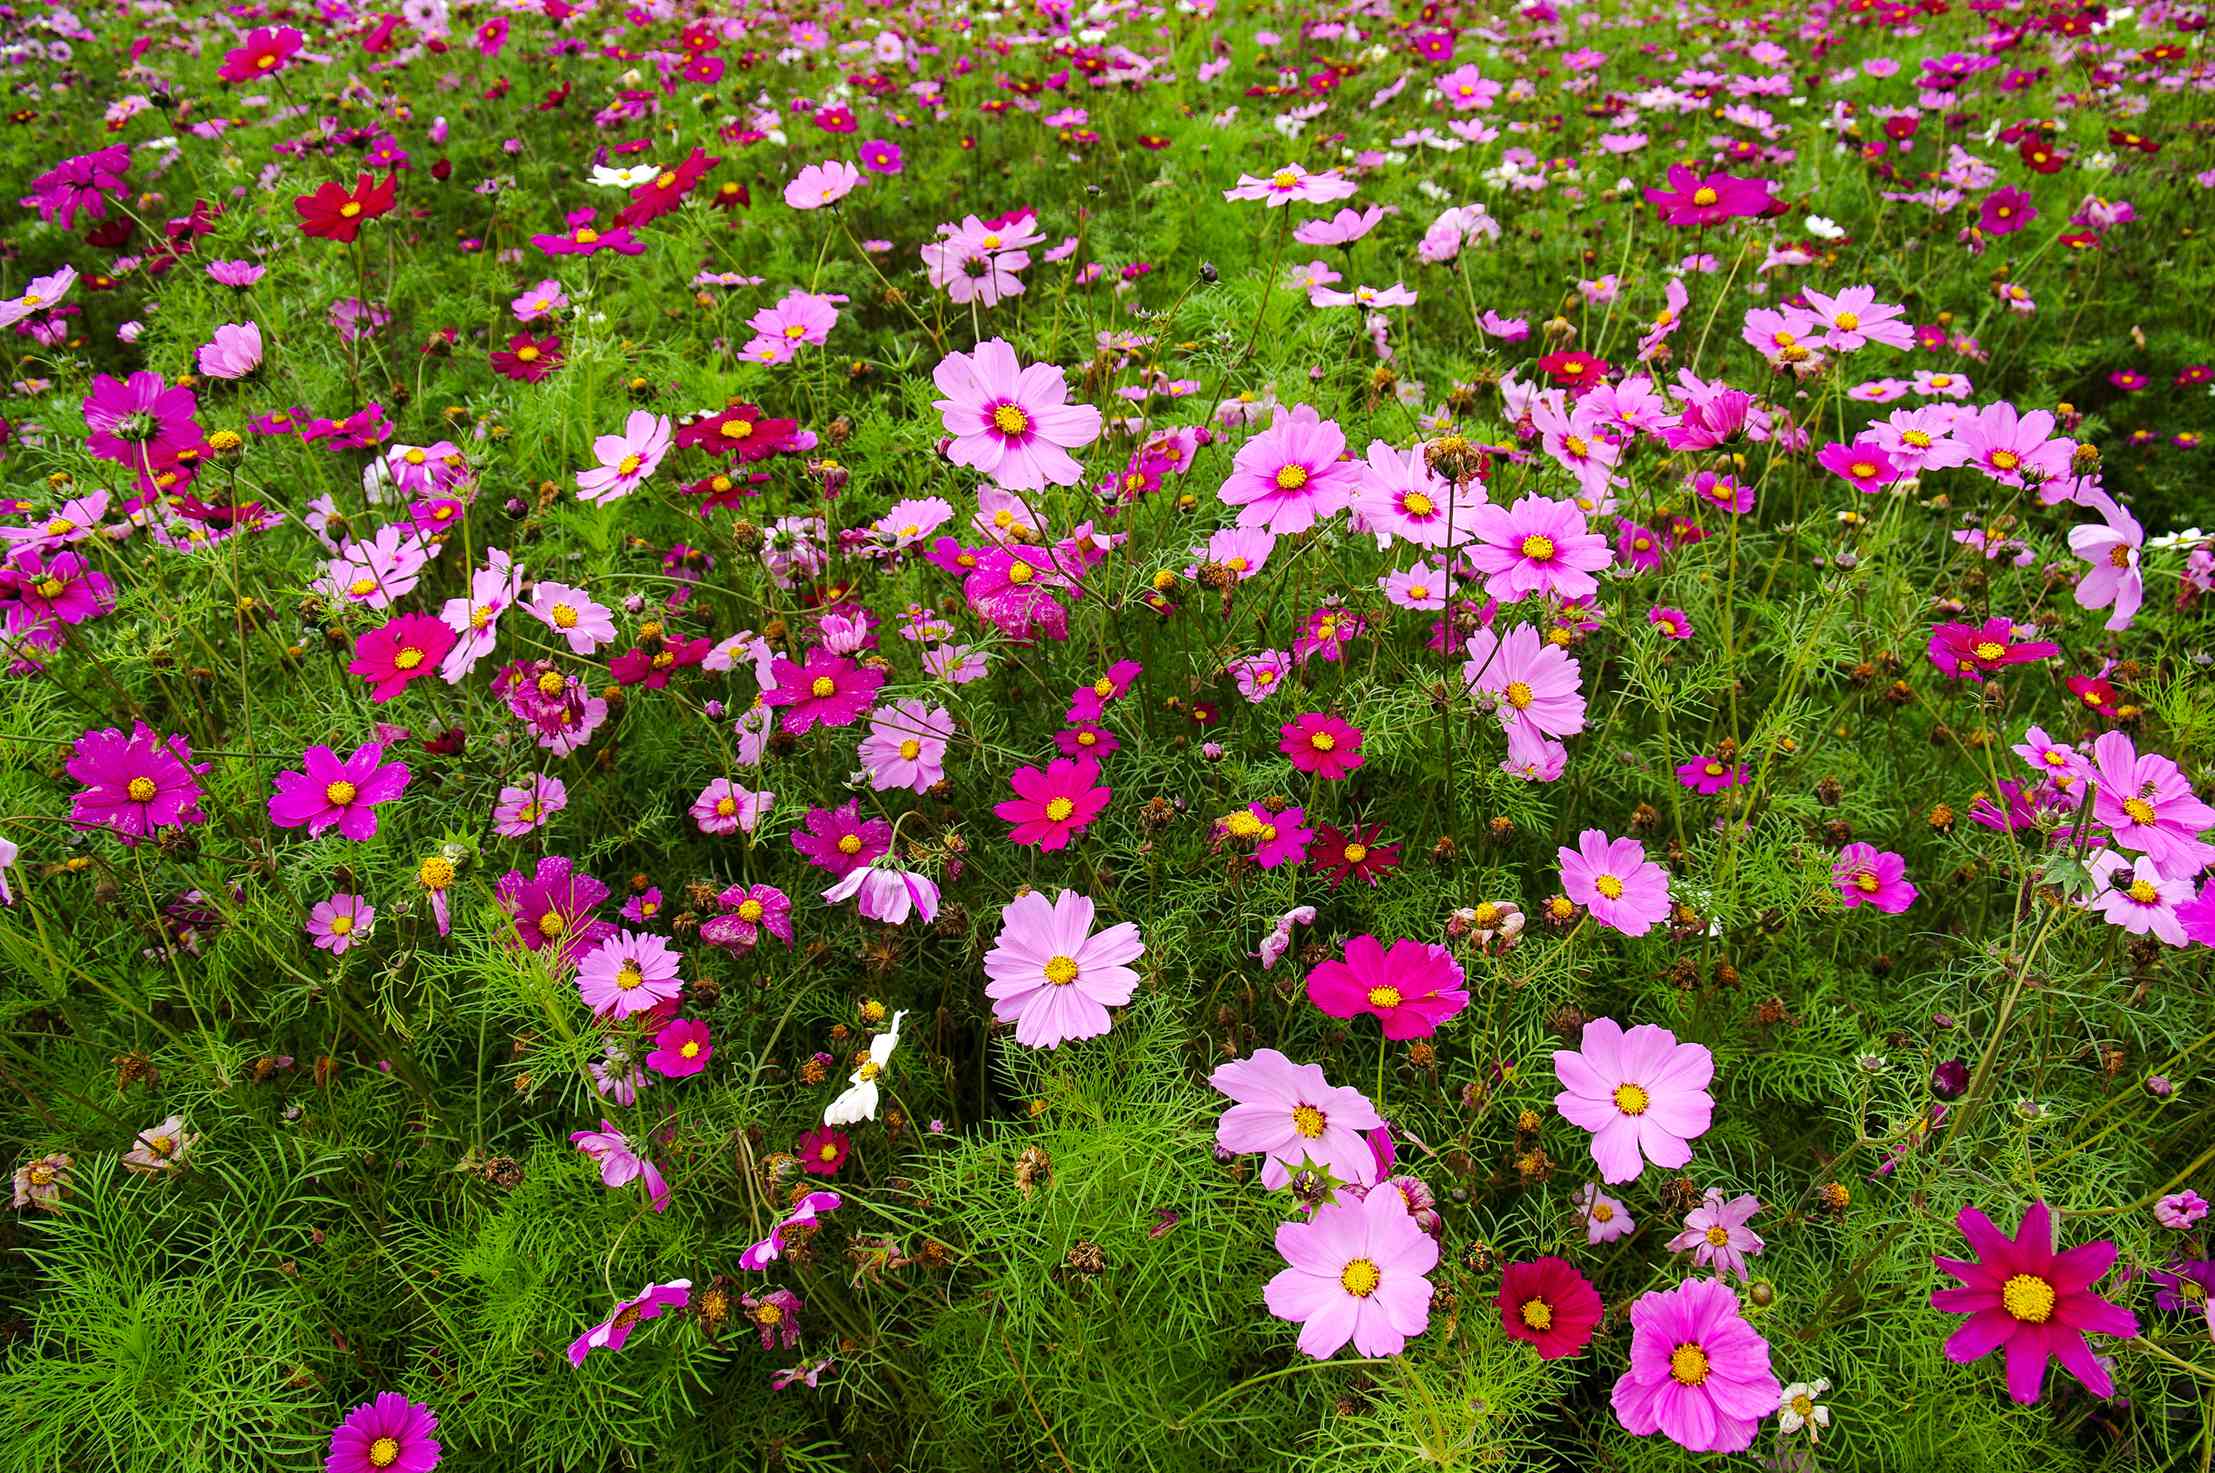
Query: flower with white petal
[[1799, 1408], [628, 177], [1822, 227], [859, 1101]]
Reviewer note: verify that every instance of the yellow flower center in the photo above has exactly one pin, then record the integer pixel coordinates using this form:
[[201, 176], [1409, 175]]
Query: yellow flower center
[[725, 806], [435, 873], [1323, 741], [551, 925], [1384, 997], [563, 615], [1291, 477], [1945, 380], [1601, 1212], [51, 587], [1520, 695], [1713, 769], [526, 354], [849, 843], [1920, 439], [1847, 320], [141, 789], [550, 683], [2028, 1298], [2005, 460], [1360, 1278], [2118, 556], [751, 910], [586, 235], [341, 924], [385, 1451], [1009, 420], [340, 793], [1020, 573], [1416, 504], [689, 1049], [799, 330], [1803, 1406], [350, 209], [628, 976], [362, 587], [1863, 470], [822, 687], [1688, 1365], [1537, 1314], [629, 465], [2139, 809], [1577, 446], [828, 1151], [1609, 886], [1061, 970], [1632, 1099], [665, 180], [60, 526], [1538, 549], [407, 659], [1718, 1237], [1867, 882], [1704, 196], [1418, 590], [1990, 649], [1235, 564], [1356, 853], [1284, 179], [1308, 1121], [2143, 892], [1058, 809]]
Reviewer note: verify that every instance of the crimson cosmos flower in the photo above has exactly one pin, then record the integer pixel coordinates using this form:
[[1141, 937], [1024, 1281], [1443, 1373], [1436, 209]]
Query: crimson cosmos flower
[[335, 213], [1548, 1304]]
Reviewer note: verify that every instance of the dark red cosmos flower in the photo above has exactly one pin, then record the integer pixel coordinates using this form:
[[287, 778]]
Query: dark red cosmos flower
[[636, 667], [1693, 198], [1549, 1305], [2039, 157], [1352, 853], [1971, 652], [731, 195], [1578, 372], [723, 490], [740, 430], [527, 359], [338, 214], [822, 1151], [665, 191]]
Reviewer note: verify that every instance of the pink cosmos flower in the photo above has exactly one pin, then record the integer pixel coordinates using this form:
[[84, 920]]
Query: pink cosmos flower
[[405, 649], [1866, 875], [2180, 1211], [332, 794], [1604, 1218], [1355, 1271], [2019, 1293], [1699, 1374], [887, 892], [725, 807], [1534, 684], [571, 615], [1642, 1094], [840, 840], [629, 972], [1537, 546], [388, 1433], [1343, 228], [681, 1049], [553, 907], [626, 460], [1052, 806], [2111, 546], [810, 1208], [747, 912], [1696, 199], [629, 1314], [2137, 896], [2009, 447], [1010, 421], [1051, 976], [233, 351], [821, 184], [1855, 318], [1673, 623], [1716, 1233], [1708, 776], [1291, 183], [1294, 1116], [1972, 651], [525, 809], [2148, 805], [620, 1165], [1290, 477], [1615, 880], [1321, 744], [1400, 496], [830, 689], [906, 746], [337, 923], [1409, 989], [1862, 465], [2197, 917]]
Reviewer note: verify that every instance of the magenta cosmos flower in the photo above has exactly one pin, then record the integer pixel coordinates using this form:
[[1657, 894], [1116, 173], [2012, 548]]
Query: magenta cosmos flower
[[1973, 651], [388, 1434], [626, 460], [1355, 1271], [681, 1049], [1615, 880], [2148, 805], [2038, 1303], [628, 973], [1320, 744], [136, 784], [1693, 198], [1409, 989], [1642, 1094], [829, 690], [840, 839], [1051, 976], [1291, 476], [1052, 806], [1295, 1116], [651, 1303], [1866, 875], [553, 907], [331, 794], [1537, 546], [1010, 422], [620, 1164], [1699, 1374]]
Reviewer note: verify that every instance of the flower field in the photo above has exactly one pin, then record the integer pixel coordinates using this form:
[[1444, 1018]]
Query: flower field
[[1143, 737]]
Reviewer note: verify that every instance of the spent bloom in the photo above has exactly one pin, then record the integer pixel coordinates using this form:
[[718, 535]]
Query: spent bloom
[[610, 1334]]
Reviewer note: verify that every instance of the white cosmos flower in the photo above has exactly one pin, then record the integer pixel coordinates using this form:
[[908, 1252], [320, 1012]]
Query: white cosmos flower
[[859, 1101], [1799, 1409], [629, 177], [1823, 227]]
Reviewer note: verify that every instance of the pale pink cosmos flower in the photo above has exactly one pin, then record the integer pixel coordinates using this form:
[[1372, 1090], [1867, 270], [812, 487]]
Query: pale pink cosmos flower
[[1291, 183], [1716, 1234], [1615, 880], [887, 891], [1642, 1094], [1051, 976], [724, 807], [1533, 683], [1855, 318], [797, 317], [530, 806], [620, 1163], [476, 618], [1604, 1218], [1260, 676], [1343, 228], [628, 973], [2111, 546], [1399, 495], [233, 351], [1011, 421], [1289, 477], [1294, 1116], [627, 459], [2148, 804], [572, 614], [2137, 896], [821, 184], [1355, 1271], [906, 746]]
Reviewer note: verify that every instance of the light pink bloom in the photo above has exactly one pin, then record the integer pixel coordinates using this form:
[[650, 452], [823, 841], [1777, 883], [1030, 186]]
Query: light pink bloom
[[2111, 546], [620, 1164], [906, 746], [1538, 546], [626, 460], [1011, 421], [1355, 1271], [1293, 1115], [724, 807], [821, 184], [1289, 477], [233, 351], [628, 973], [888, 892], [1615, 880], [1642, 1094], [1291, 183], [1051, 976], [1398, 495]]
